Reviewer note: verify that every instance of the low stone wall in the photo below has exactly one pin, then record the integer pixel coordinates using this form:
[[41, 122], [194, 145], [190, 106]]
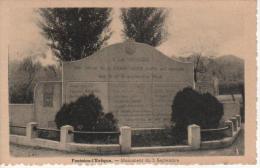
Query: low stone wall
[[70, 147], [231, 109], [94, 148], [67, 143], [231, 105], [161, 149], [20, 115], [194, 139], [216, 144], [37, 142], [228, 98]]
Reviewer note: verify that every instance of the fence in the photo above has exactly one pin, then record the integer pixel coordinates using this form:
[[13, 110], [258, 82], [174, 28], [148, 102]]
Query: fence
[[20, 114], [96, 137], [147, 137], [66, 141], [18, 130], [48, 133], [231, 88], [214, 134]]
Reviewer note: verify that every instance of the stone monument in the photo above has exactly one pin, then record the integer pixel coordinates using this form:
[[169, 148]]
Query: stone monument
[[134, 81]]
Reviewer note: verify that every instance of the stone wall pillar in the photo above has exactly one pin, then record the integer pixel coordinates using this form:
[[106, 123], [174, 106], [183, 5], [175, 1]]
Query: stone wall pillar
[[239, 120], [31, 131], [65, 136], [125, 139], [194, 138], [235, 123], [230, 131]]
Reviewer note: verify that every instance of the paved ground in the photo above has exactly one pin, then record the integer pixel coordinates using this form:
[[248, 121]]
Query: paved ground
[[236, 149]]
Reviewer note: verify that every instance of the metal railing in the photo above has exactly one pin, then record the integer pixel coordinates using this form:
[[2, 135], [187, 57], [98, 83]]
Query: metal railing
[[48, 133], [17, 130], [214, 134], [16, 126], [214, 130], [46, 129], [95, 136], [93, 132]]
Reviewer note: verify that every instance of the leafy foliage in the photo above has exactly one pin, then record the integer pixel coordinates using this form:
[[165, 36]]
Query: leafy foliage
[[144, 25], [227, 68], [86, 114], [75, 33], [199, 67], [190, 107], [106, 122], [23, 77]]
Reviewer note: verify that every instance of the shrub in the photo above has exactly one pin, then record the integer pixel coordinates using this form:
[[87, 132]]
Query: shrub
[[190, 107], [86, 114], [106, 122]]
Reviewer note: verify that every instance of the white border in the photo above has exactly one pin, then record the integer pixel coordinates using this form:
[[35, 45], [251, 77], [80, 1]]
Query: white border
[[181, 166]]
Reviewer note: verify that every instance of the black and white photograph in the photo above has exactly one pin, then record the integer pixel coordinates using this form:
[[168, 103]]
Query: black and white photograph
[[128, 82]]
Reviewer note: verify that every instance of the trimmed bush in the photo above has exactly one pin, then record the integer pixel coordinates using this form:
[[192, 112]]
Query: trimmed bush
[[106, 122], [86, 114], [191, 107]]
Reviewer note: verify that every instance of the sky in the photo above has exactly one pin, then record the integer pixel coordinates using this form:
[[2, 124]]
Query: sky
[[213, 29]]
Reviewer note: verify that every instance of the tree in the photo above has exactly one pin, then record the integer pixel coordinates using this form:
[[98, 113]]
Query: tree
[[53, 72], [75, 33], [24, 75], [85, 114], [144, 25], [22, 81], [191, 107], [201, 52], [198, 64]]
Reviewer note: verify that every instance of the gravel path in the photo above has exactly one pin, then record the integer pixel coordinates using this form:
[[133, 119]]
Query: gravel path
[[236, 149]]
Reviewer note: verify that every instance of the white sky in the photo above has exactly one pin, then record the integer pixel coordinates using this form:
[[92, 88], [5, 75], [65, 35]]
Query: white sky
[[214, 29]]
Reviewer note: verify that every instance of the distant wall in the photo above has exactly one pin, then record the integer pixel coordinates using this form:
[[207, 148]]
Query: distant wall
[[231, 105], [230, 98], [230, 110], [20, 114], [210, 86], [47, 102]]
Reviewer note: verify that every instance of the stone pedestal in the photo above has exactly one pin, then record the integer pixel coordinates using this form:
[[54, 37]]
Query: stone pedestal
[[235, 123], [31, 131], [65, 136], [230, 131], [239, 120], [194, 138], [125, 139]]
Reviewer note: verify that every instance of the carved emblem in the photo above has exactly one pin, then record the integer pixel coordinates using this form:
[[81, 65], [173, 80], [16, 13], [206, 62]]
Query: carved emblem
[[130, 46]]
